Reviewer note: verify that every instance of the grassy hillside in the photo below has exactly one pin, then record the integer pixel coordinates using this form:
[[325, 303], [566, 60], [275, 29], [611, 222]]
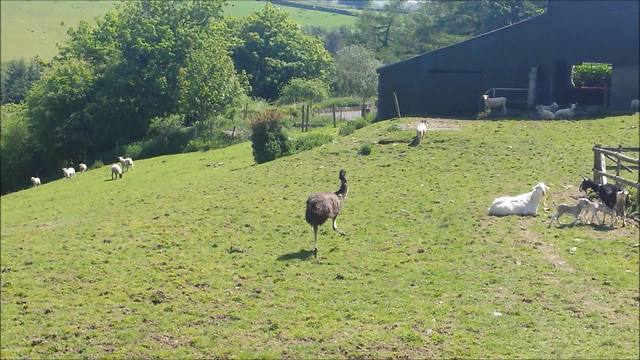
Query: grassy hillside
[[30, 28], [207, 254]]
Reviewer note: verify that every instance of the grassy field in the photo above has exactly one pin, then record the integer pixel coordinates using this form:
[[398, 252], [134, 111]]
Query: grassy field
[[208, 255], [30, 28]]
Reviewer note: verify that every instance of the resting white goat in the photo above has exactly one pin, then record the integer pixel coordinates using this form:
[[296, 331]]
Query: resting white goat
[[523, 204], [494, 103], [553, 107], [116, 171], [69, 172], [421, 130], [82, 167], [125, 162], [635, 104], [35, 181], [545, 114], [567, 113]]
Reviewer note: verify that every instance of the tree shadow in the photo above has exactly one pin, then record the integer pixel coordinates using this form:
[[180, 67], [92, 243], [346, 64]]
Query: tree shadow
[[299, 255]]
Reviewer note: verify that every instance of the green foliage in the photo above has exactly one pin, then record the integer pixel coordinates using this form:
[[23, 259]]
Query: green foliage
[[269, 138], [356, 72], [301, 90], [309, 141], [365, 149], [347, 129], [591, 75], [165, 126], [341, 102], [273, 50], [17, 154], [17, 78]]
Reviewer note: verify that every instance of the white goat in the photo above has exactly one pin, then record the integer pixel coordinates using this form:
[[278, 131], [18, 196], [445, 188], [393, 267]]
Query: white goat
[[544, 113], [635, 104], [125, 162], [523, 204], [35, 181], [567, 113], [553, 107], [82, 167], [421, 130], [116, 171], [494, 103], [68, 172]]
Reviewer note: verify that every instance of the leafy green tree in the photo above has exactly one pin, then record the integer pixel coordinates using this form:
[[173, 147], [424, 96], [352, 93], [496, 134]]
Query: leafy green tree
[[301, 90], [356, 72], [17, 78], [165, 126], [17, 152], [274, 50]]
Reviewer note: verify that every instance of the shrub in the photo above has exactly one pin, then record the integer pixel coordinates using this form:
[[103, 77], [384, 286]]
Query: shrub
[[309, 142], [365, 150], [97, 164], [591, 75], [341, 102], [347, 129], [268, 137]]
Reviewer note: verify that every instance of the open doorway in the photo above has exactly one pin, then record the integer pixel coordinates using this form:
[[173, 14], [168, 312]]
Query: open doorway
[[585, 83]]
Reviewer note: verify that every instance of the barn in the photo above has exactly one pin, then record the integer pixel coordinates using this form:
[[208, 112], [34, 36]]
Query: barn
[[529, 62]]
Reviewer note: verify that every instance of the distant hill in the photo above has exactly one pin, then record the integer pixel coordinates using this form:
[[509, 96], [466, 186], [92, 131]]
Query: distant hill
[[30, 28]]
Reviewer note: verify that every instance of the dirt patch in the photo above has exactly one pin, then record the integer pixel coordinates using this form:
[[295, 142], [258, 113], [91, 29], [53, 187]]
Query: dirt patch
[[166, 340], [433, 124], [547, 250]]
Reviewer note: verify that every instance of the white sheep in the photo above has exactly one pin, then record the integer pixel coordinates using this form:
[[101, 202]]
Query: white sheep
[[567, 113], [82, 167], [544, 113], [116, 171], [125, 162], [553, 107], [523, 204], [69, 172], [494, 103], [421, 130], [35, 181], [635, 104]]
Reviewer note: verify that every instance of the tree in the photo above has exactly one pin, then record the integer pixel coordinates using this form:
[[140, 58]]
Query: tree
[[274, 50], [165, 126], [301, 90], [356, 72], [17, 78]]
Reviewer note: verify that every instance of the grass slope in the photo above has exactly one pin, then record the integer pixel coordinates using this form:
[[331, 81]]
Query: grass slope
[[30, 28], [206, 254]]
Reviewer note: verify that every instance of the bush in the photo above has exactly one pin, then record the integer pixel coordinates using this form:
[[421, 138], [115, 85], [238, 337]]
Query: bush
[[591, 75], [365, 150], [309, 142], [341, 102], [97, 164], [268, 137], [347, 129]]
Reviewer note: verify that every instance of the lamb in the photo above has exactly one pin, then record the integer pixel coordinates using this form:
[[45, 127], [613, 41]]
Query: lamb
[[116, 171], [523, 204], [544, 113], [553, 107], [494, 103], [567, 113], [82, 167], [69, 172], [635, 104], [325, 205], [421, 130], [35, 181], [574, 210], [125, 162]]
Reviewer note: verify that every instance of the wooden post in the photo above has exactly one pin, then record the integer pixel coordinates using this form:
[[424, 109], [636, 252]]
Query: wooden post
[[395, 99], [333, 107], [302, 120], [308, 111], [597, 164], [233, 134], [618, 163], [533, 80]]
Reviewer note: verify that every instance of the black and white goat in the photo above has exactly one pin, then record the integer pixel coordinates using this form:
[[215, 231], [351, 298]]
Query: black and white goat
[[606, 192]]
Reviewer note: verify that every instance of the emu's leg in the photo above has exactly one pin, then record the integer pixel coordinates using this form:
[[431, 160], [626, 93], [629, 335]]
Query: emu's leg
[[335, 227], [315, 240]]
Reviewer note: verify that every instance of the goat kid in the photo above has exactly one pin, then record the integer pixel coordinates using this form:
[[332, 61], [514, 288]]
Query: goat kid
[[421, 130], [494, 103], [574, 210]]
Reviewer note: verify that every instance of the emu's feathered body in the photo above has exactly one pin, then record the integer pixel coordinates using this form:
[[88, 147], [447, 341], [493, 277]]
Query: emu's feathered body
[[326, 205]]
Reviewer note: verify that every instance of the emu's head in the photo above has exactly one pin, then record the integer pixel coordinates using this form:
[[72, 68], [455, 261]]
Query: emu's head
[[343, 175]]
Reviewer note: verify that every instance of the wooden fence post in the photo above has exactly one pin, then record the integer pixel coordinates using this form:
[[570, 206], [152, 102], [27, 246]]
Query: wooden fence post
[[233, 133], [596, 164], [333, 107], [618, 163], [302, 120], [308, 111], [395, 99]]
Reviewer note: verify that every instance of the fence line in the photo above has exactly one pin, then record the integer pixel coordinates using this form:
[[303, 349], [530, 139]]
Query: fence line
[[615, 154]]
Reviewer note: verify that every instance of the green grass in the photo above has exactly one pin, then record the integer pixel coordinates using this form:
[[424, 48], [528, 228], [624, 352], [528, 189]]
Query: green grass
[[30, 28], [207, 255]]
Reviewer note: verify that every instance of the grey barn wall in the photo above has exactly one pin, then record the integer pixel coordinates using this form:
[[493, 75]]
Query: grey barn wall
[[449, 81]]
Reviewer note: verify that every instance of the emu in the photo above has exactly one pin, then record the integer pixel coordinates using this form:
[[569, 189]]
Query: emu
[[324, 205]]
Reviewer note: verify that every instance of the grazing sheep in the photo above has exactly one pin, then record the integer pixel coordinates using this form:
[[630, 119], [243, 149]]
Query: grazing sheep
[[325, 205], [125, 162], [69, 172], [82, 167], [553, 107], [567, 113], [35, 181], [494, 103], [635, 104], [421, 130], [116, 171], [545, 114], [523, 204]]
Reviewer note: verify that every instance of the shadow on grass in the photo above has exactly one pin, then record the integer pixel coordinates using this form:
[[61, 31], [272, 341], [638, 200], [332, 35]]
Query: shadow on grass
[[299, 255]]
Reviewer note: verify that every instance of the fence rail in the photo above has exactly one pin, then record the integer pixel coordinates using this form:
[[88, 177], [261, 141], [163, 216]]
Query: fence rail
[[600, 154]]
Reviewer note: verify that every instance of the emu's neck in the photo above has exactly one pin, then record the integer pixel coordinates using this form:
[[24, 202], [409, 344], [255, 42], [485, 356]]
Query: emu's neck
[[344, 188]]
